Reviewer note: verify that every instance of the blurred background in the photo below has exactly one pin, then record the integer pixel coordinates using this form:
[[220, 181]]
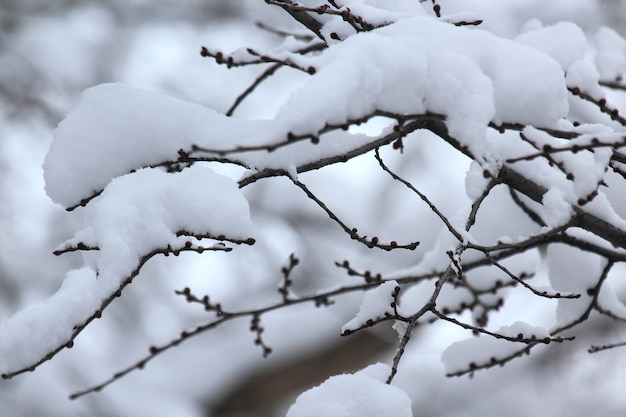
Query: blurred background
[[51, 50]]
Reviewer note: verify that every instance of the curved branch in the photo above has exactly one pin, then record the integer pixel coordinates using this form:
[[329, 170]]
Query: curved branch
[[188, 247]]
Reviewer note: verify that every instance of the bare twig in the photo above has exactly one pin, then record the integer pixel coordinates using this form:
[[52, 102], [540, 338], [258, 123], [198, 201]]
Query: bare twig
[[373, 242]]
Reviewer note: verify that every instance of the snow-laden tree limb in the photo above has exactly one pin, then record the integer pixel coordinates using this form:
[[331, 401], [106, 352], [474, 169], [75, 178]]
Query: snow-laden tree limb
[[134, 160]]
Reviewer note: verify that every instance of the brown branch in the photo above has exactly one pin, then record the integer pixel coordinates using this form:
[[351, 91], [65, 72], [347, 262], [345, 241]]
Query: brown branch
[[222, 316], [618, 84], [427, 121], [547, 150], [421, 195], [602, 105], [107, 301], [605, 346], [493, 361], [593, 292], [412, 321], [302, 17], [373, 242]]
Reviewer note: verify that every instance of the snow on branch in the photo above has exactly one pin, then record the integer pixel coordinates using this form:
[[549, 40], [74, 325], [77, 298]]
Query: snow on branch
[[134, 161]]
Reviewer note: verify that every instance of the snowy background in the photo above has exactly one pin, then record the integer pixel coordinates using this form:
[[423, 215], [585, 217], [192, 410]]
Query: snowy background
[[53, 50]]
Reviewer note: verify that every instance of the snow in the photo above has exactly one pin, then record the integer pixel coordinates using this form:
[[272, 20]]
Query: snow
[[31, 333], [362, 394], [140, 212], [117, 128], [611, 53], [564, 41], [573, 271], [467, 75], [557, 211], [483, 350], [375, 305], [475, 180], [585, 76], [135, 215], [111, 142]]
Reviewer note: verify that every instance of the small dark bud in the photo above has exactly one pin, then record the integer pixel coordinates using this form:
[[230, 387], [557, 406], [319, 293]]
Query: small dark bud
[[333, 35], [311, 70]]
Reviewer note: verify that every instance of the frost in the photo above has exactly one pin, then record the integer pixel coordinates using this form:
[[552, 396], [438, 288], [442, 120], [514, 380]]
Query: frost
[[375, 305], [362, 394]]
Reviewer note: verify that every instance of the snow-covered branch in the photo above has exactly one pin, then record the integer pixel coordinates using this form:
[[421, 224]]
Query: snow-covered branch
[[530, 116]]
